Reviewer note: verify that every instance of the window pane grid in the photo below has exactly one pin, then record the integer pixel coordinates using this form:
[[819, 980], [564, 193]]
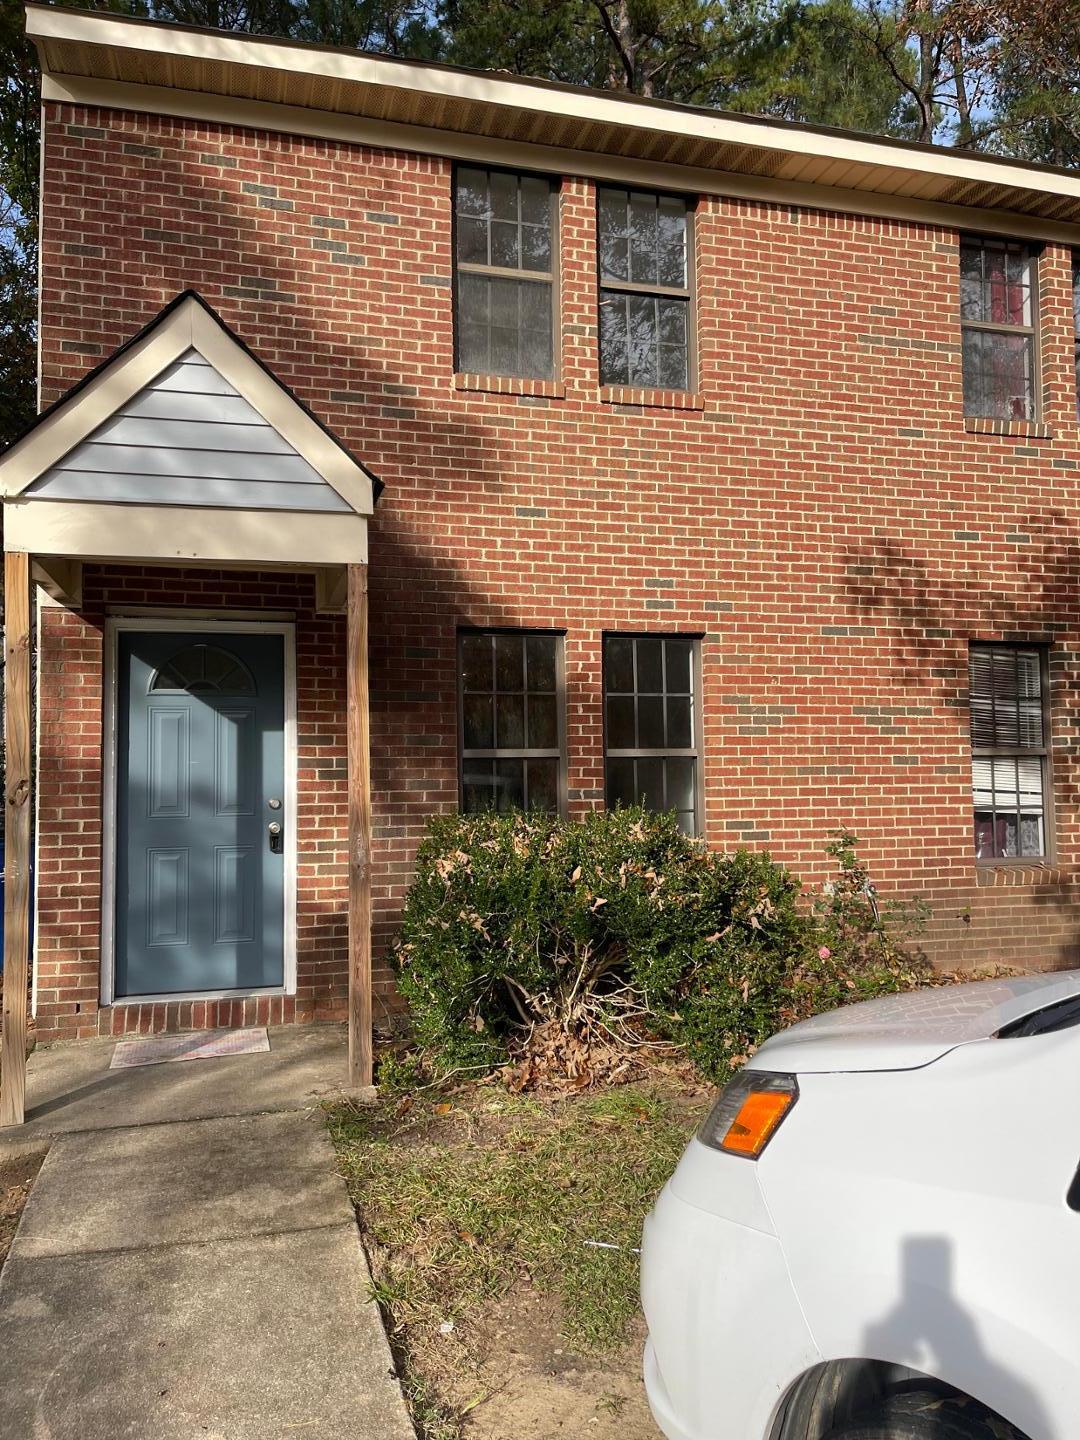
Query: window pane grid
[[511, 744], [504, 221], [1008, 752], [643, 340], [504, 273], [644, 289], [1008, 798], [997, 313], [651, 754], [504, 326]]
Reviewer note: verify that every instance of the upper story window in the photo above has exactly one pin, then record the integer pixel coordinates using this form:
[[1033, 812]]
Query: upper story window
[[504, 268], [652, 724], [1009, 751], [1076, 322], [998, 301], [512, 736], [646, 324]]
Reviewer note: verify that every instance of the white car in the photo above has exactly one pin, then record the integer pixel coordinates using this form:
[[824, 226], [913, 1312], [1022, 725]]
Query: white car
[[875, 1234]]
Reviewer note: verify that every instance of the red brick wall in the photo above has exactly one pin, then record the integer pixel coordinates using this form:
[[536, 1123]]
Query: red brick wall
[[824, 518]]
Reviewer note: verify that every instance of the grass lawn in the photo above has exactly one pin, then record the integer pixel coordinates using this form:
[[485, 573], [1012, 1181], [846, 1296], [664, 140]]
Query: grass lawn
[[481, 1211]]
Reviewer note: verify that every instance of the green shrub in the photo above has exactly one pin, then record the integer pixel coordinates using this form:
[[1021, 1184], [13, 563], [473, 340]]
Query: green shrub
[[619, 927]]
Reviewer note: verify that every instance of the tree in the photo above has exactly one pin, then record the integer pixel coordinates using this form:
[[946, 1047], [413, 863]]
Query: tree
[[936, 53], [19, 108], [1035, 57], [828, 74], [395, 27], [802, 59], [253, 17]]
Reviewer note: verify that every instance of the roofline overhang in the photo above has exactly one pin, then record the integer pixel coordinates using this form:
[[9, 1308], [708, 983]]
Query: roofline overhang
[[417, 105]]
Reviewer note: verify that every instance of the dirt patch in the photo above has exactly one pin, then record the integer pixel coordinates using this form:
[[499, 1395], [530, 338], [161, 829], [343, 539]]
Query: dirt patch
[[17, 1177], [532, 1386], [503, 1232]]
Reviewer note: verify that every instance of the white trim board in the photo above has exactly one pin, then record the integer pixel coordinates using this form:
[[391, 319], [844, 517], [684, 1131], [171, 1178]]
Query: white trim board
[[224, 624], [173, 534]]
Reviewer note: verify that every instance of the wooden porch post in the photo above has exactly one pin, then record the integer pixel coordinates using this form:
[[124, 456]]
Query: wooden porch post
[[17, 821], [359, 763]]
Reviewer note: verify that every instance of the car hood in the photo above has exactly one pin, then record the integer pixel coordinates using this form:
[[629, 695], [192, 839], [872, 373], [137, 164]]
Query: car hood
[[903, 1032]]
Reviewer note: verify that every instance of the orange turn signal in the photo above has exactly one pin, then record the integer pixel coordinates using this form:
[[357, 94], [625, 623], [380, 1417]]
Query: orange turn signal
[[748, 1112], [758, 1117]]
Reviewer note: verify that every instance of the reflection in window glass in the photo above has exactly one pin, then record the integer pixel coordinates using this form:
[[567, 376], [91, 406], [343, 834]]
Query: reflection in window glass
[[997, 317], [204, 669], [503, 280], [1008, 751], [510, 706], [650, 724], [644, 289]]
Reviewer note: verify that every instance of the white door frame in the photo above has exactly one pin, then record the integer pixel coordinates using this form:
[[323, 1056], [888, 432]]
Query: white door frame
[[176, 622]]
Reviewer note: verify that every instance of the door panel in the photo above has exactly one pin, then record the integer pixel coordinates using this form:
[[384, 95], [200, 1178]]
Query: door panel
[[234, 893], [167, 763], [236, 758], [201, 752], [167, 897]]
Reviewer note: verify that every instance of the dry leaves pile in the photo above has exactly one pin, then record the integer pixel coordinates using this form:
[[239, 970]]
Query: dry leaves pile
[[555, 1056], [560, 1059]]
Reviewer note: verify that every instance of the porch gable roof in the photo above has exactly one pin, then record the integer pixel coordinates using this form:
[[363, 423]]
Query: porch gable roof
[[183, 445]]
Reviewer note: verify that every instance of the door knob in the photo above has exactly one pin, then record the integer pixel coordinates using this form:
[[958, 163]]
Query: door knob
[[273, 830]]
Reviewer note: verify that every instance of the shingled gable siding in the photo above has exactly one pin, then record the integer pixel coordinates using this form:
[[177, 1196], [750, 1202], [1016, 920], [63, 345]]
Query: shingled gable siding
[[189, 438], [825, 520]]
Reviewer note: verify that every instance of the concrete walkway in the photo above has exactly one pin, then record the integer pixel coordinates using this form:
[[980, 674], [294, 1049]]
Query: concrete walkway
[[70, 1087], [193, 1277]]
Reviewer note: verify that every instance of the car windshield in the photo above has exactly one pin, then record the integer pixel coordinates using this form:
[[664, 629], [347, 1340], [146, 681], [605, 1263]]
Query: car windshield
[[1054, 1017]]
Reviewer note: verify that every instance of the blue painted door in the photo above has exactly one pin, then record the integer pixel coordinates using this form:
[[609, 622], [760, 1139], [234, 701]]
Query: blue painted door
[[200, 782]]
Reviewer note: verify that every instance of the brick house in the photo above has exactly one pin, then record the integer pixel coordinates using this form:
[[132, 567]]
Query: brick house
[[726, 462]]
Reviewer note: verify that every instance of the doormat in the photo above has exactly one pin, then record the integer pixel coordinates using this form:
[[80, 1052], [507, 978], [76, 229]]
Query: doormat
[[201, 1045]]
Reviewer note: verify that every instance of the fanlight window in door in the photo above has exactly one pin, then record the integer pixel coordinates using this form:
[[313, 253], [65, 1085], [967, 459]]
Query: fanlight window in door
[[203, 670]]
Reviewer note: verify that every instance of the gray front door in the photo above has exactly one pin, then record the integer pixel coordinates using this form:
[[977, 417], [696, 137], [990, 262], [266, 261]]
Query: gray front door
[[200, 782]]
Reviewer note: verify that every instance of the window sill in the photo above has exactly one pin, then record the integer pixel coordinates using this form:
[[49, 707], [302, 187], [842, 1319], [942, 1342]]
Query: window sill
[[1018, 872], [1029, 429], [654, 399], [511, 385]]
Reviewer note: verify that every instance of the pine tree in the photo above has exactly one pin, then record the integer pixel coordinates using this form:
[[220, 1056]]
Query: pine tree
[[19, 110]]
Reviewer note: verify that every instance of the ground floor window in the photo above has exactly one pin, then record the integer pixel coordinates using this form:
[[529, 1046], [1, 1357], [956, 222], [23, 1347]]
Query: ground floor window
[[652, 724], [511, 727], [1009, 751]]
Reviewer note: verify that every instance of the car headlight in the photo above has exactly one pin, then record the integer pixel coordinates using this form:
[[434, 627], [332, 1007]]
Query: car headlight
[[748, 1112]]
